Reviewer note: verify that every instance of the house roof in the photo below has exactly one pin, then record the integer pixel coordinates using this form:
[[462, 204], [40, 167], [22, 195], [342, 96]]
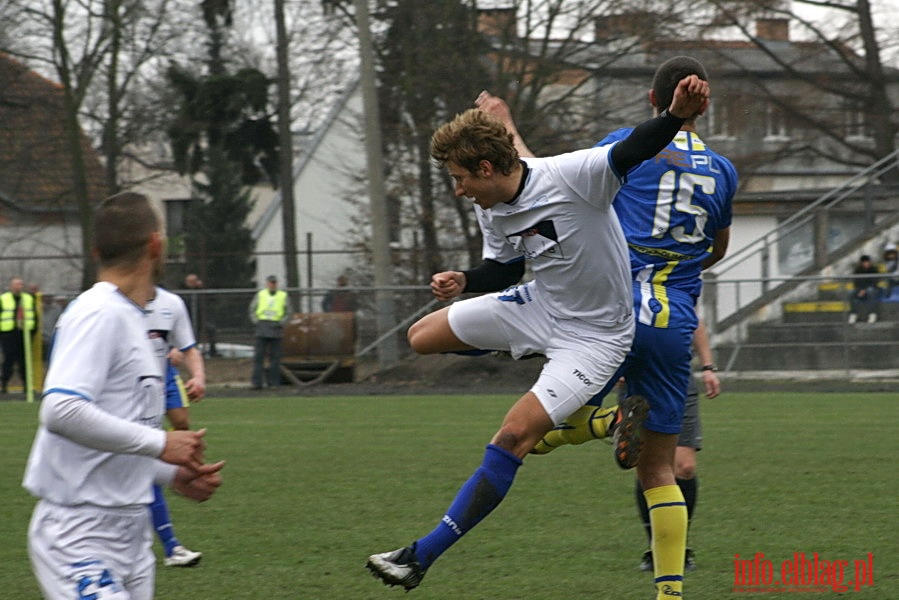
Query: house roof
[[35, 166]]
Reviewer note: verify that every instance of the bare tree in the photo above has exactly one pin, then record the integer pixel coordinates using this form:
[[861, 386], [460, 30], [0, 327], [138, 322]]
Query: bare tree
[[826, 74], [98, 50], [543, 56]]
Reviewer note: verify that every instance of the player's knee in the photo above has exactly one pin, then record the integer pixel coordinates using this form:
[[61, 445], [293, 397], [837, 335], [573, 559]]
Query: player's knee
[[508, 440], [685, 466], [685, 469], [178, 419], [418, 336], [685, 462], [517, 440], [431, 334]]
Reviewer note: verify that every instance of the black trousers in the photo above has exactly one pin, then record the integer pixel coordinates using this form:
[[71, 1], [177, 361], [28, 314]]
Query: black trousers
[[13, 354]]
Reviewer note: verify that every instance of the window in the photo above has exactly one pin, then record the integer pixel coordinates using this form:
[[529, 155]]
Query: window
[[725, 117], [854, 121], [777, 127]]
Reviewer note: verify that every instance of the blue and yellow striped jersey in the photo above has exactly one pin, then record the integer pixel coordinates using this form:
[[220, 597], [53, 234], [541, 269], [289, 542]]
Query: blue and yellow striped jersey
[[670, 209]]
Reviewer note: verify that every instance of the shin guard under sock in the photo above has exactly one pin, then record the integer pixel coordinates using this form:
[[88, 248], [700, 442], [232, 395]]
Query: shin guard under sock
[[668, 515], [483, 492]]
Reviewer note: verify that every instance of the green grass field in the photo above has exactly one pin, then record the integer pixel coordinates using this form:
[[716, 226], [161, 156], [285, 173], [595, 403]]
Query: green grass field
[[315, 485]]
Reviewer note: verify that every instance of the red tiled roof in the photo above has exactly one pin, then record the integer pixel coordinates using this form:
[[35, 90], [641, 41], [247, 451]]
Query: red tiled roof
[[35, 166]]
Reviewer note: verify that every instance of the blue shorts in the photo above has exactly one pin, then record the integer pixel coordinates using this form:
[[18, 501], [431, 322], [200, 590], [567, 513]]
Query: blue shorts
[[175, 394], [691, 425], [658, 368]]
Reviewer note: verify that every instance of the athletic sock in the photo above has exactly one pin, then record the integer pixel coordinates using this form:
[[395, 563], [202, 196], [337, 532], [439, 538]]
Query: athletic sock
[[668, 515], [583, 425], [643, 509], [162, 523], [690, 489], [483, 492]]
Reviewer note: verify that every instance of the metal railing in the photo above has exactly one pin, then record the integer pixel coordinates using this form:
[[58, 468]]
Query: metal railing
[[808, 329], [812, 327], [760, 262], [812, 315]]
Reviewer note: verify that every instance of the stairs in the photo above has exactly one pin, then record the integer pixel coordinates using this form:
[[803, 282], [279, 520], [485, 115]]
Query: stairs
[[816, 335]]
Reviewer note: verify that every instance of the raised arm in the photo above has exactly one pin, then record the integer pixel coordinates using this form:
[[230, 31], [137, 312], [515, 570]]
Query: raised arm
[[498, 107], [691, 97], [649, 138]]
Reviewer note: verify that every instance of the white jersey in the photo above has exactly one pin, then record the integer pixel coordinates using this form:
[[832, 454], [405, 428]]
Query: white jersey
[[102, 407], [563, 222], [169, 325]]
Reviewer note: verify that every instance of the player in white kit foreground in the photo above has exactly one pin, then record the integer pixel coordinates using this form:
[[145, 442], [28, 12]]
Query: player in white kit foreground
[[577, 311], [99, 445]]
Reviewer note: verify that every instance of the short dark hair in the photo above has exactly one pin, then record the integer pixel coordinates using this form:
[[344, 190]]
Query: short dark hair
[[474, 136], [123, 224], [669, 73]]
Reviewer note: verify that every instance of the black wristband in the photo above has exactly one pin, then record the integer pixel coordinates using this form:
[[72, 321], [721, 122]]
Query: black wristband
[[493, 276], [711, 368], [665, 114]]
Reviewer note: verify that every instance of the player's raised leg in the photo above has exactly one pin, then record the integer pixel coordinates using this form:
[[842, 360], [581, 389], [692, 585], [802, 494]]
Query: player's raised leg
[[586, 424], [432, 334], [524, 424]]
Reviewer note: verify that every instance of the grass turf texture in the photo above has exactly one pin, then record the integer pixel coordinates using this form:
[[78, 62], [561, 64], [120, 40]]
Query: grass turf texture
[[315, 485]]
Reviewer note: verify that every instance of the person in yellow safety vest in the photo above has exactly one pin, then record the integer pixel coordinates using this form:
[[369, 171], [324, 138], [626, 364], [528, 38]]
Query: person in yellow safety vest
[[269, 310], [17, 315]]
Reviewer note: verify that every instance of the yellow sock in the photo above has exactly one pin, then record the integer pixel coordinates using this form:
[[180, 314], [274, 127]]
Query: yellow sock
[[585, 424], [668, 517]]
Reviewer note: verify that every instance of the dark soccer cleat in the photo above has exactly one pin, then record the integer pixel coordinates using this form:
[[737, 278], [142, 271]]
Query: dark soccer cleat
[[646, 561], [397, 568], [626, 431], [689, 560]]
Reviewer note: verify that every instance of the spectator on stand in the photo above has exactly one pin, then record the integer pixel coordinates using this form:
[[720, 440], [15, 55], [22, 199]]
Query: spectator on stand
[[865, 298]]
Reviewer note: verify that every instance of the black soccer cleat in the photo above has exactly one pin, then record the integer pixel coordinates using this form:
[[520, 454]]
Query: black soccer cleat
[[646, 561], [689, 560]]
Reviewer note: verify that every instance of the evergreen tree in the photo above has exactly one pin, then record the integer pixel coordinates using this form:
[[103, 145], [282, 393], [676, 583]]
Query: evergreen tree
[[223, 137]]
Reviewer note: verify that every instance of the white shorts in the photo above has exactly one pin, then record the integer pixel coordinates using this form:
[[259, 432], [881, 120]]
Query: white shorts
[[83, 551], [581, 357]]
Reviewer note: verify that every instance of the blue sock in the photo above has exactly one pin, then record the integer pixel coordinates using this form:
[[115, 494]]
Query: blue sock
[[162, 523], [475, 500]]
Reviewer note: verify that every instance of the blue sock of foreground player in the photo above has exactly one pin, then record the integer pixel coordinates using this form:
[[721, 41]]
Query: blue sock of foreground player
[[476, 499], [162, 523]]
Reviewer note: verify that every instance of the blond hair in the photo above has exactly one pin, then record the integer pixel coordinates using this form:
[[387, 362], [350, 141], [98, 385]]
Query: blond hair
[[474, 136]]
